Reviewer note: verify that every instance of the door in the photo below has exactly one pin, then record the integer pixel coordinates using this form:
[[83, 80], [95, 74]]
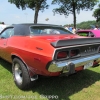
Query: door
[[4, 48]]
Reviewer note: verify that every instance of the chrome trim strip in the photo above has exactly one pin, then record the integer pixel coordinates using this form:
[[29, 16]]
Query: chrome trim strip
[[53, 54]]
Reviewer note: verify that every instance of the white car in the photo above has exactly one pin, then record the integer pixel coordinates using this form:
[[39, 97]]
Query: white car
[[2, 27]]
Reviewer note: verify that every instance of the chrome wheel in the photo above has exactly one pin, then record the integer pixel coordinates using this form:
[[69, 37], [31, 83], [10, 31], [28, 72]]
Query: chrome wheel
[[18, 73]]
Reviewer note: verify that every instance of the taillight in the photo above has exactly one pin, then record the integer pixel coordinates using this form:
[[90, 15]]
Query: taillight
[[74, 52], [62, 54]]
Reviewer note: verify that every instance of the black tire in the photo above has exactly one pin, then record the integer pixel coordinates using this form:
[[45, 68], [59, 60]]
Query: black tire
[[20, 74]]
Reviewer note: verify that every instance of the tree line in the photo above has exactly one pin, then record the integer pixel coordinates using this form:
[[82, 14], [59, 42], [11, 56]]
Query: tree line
[[86, 24], [65, 7]]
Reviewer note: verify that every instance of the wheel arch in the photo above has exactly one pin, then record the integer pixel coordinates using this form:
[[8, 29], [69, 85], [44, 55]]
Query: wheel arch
[[16, 56], [33, 76]]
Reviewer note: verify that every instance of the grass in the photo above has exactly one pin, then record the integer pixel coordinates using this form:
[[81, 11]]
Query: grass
[[84, 85]]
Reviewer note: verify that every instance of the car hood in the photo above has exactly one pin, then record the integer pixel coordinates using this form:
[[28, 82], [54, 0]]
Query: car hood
[[53, 38]]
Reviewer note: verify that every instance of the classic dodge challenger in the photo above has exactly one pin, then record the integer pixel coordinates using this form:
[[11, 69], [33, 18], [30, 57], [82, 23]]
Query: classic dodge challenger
[[47, 50]]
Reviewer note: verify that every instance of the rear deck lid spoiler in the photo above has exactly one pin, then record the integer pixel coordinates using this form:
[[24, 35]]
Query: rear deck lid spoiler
[[78, 41]]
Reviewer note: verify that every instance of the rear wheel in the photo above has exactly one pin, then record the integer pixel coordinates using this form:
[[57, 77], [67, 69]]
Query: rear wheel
[[20, 74]]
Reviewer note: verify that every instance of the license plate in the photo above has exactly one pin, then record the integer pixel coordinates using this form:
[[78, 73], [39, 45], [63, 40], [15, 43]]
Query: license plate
[[89, 64]]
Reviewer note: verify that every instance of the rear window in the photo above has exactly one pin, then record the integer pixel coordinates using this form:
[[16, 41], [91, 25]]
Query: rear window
[[41, 30]]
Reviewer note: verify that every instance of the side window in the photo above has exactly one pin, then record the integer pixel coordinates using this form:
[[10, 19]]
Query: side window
[[35, 31], [7, 33], [82, 33], [87, 34]]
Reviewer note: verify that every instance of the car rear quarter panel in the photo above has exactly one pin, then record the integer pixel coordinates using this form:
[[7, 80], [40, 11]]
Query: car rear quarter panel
[[35, 53]]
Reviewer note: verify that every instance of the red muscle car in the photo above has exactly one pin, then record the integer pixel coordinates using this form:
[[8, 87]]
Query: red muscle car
[[48, 50]]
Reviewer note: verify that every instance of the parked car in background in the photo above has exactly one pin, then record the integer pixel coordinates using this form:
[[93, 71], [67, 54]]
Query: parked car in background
[[89, 33], [2, 26], [47, 50]]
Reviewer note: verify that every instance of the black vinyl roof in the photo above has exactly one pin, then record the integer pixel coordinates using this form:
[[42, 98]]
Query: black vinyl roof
[[23, 29]]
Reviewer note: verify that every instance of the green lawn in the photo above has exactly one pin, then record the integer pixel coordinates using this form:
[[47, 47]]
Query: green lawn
[[84, 85]]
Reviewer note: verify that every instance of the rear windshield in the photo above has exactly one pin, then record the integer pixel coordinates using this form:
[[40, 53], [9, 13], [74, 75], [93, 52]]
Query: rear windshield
[[41, 30]]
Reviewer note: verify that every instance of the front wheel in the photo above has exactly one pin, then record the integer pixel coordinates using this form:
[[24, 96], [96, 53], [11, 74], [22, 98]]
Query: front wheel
[[20, 74]]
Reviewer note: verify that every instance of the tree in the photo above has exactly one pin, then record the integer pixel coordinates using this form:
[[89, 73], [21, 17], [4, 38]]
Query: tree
[[86, 24], [36, 5], [67, 7], [96, 13]]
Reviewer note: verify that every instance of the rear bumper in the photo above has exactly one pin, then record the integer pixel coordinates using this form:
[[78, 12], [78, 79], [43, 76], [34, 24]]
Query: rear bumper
[[69, 66]]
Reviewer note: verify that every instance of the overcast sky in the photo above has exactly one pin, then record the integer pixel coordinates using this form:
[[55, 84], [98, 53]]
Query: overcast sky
[[10, 14]]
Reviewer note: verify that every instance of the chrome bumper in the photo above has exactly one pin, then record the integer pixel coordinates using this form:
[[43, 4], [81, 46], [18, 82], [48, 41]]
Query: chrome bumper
[[70, 65]]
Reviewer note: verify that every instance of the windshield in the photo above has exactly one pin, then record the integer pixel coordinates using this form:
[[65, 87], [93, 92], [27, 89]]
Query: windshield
[[41, 30]]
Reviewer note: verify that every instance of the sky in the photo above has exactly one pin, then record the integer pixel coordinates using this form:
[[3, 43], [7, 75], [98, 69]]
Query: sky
[[10, 14]]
